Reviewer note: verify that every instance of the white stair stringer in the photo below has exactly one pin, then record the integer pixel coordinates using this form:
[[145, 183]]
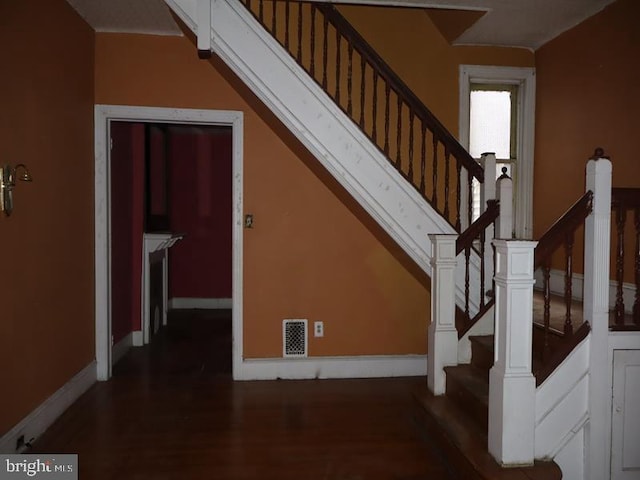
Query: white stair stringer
[[325, 130], [562, 411]]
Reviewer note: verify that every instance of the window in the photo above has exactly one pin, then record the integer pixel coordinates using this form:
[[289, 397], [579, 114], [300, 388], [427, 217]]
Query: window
[[493, 121], [497, 115]]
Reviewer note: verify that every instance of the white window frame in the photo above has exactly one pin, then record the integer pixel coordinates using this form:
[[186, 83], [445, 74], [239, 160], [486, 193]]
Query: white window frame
[[524, 77]]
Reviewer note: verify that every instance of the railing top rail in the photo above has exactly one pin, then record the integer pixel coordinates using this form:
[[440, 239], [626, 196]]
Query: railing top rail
[[385, 71], [466, 238], [567, 223]]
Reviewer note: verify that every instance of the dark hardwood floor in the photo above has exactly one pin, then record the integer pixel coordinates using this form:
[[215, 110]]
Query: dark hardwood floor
[[172, 411]]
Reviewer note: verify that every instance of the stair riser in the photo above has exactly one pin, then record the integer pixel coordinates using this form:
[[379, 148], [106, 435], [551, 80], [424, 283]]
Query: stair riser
[[468, 402], [481, 358]]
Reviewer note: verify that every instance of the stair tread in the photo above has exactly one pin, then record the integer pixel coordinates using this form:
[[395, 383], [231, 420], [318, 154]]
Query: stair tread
[[465, 443]]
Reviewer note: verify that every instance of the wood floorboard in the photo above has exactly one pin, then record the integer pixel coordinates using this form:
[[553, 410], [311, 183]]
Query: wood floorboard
[[172, 411]]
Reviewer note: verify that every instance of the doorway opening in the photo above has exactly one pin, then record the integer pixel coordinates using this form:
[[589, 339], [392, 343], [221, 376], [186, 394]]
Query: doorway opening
[[157, 175]]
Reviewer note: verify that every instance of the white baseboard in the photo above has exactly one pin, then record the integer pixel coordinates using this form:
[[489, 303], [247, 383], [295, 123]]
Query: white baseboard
[[202, 303], [556, 283], [137, 338], [332, 367], [34, 424], [121, 348]]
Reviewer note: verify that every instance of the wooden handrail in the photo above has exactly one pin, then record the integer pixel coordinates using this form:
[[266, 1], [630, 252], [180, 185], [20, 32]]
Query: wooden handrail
[[465, 242], [566, 224], [466, 238], [384, 71], [561, 233], [385, 109]]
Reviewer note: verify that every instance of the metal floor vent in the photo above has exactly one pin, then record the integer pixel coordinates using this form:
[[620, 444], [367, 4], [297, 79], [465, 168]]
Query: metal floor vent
[[294, 338]]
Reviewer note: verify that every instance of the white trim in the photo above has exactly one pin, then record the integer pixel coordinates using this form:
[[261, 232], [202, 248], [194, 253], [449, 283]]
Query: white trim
[[178, 303], [561, 404], [556, 284], [525, 78], [37, 422], [154, 248], [137, 338], [616, 341], [120, 349], [104, 114], [373, 366]]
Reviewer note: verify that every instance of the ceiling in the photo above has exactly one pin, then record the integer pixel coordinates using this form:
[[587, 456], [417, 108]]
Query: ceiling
[[517, 23]]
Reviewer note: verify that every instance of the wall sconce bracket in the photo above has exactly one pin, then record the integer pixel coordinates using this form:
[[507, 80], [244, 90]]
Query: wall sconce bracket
[[8, 175]]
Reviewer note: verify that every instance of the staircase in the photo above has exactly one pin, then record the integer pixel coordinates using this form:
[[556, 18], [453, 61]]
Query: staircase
[[367, 129], [562, 411], [459, 419]]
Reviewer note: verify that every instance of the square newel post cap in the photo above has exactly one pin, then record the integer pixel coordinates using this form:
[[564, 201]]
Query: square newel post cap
[[443, 247], [514, 259]]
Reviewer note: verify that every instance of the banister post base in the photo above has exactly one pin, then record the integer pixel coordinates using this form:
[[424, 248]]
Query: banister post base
[[512, 386], [512, 406], [443, 336]]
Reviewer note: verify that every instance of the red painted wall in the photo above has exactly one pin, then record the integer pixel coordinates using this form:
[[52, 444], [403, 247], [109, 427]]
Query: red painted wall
[[127, 170], [200, 186]]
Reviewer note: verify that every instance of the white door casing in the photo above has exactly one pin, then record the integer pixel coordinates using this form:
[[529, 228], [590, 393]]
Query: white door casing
[[524, 77], [104, 114]]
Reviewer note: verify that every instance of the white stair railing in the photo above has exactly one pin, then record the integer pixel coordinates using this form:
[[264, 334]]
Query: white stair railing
[[443, 343]]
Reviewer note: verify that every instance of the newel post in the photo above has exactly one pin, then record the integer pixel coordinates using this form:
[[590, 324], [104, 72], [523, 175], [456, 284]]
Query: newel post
[[512, 386], [596, 312], [504, 224], [443, 336]]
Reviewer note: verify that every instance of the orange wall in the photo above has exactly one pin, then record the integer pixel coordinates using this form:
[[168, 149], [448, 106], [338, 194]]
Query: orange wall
[[587, 82], [309, 255], [587, 97], [47, 319], [413, 46], [312, 254]]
